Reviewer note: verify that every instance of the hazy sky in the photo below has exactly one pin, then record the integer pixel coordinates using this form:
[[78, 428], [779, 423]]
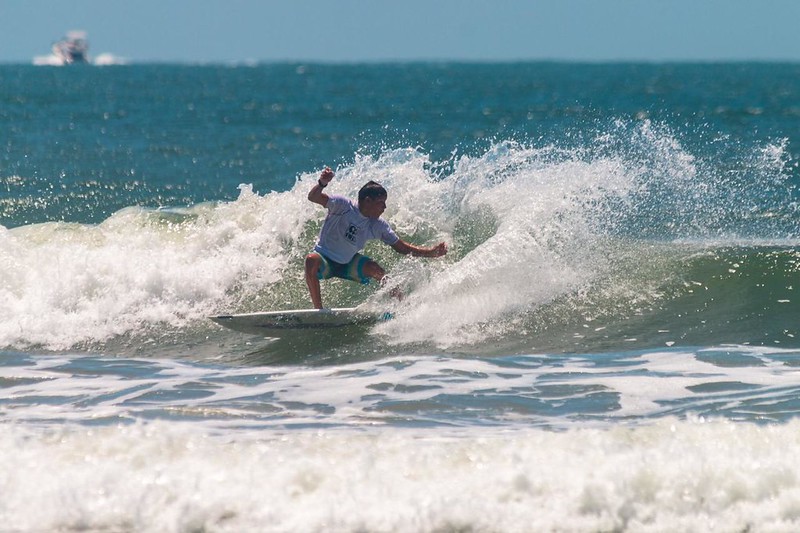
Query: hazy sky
[[370, 30]]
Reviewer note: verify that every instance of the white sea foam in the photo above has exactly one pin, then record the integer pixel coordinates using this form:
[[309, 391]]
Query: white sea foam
[[553, 392], [69, 283], [693, 475], [97, 443]]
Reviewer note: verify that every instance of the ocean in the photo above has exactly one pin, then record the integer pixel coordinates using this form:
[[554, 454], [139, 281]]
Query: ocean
[[612, 342]]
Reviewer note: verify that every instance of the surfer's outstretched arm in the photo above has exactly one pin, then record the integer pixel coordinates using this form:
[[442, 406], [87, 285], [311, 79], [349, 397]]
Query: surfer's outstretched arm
[[405, 248]]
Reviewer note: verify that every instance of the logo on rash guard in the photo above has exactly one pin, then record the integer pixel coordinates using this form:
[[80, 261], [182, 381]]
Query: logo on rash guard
[[351, 233]]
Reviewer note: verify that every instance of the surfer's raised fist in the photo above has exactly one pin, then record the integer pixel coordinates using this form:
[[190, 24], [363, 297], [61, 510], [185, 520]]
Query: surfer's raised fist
[[326, 176]]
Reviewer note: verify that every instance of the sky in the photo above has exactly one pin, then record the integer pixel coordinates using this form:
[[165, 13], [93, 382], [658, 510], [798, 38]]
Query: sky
[[200, 31]]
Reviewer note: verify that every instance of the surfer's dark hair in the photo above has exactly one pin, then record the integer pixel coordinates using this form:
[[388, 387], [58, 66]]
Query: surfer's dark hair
[[373, 190]]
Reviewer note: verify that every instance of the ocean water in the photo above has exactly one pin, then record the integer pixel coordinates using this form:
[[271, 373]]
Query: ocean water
[[611, 344]]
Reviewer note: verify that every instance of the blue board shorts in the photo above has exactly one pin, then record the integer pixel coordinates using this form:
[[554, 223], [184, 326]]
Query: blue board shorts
[[354, 270]]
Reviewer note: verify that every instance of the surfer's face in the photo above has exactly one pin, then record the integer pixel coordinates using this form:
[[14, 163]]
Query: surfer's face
[[372, 207]]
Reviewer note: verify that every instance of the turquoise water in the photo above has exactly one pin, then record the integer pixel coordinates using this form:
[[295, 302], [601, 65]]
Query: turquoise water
[[611, 344]]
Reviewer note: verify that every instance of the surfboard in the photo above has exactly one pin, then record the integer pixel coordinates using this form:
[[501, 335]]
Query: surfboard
[[274, 323]]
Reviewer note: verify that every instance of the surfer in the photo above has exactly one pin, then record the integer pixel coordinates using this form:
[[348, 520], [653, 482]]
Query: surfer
[[347, 228]]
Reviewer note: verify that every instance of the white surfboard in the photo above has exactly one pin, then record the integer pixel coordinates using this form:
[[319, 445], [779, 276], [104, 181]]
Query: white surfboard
[[274, 323]]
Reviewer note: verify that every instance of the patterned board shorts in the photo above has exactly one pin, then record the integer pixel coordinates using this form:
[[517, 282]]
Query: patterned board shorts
[[354, 270]]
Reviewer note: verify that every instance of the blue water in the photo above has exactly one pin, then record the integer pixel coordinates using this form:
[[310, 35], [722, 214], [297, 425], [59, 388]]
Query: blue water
[[612, 342]]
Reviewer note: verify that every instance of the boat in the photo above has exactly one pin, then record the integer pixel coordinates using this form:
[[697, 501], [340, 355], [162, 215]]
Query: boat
[[72, 49]]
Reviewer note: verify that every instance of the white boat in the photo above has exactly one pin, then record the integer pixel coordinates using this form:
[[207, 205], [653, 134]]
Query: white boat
[[72, 49]]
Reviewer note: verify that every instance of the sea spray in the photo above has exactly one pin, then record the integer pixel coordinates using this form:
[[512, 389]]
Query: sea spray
[[140, 268], [529, 227]]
